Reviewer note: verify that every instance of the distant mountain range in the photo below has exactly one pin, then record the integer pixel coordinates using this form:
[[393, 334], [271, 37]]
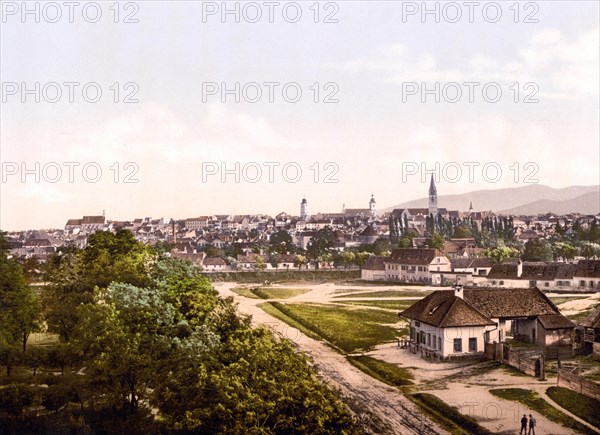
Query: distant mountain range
[[527, 200]]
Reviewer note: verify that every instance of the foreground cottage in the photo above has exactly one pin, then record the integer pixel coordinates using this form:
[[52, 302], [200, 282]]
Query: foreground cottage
[[459, 322]]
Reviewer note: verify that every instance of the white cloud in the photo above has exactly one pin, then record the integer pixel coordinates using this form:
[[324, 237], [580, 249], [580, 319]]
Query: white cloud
[[563, 69]]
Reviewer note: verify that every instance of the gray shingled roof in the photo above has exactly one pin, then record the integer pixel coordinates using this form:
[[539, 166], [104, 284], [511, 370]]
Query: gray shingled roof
[[555, 321], [442, 309], [588, 269]]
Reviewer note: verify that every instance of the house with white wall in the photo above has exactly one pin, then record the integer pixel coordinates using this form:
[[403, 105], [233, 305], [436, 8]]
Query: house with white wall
[[458, 322], [415, 265]]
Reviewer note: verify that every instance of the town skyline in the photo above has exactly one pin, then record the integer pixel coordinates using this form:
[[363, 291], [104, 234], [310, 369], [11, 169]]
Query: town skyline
[[375, 109]]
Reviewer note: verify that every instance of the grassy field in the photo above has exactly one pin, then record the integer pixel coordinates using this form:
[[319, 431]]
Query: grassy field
[[391, 374], [246, 292], [284, 276], [397, 305], [448, 416], [384, 294], [268, 292], [269, 308], [563, 299], [582, 406], [533, 401], [349, 329], [278, 293]]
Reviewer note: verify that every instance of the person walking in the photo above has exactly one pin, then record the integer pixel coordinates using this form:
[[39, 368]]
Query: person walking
[[532, 423], [523, 425]]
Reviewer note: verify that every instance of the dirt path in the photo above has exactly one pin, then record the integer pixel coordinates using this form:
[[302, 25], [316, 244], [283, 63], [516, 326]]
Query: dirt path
[[393, 413]]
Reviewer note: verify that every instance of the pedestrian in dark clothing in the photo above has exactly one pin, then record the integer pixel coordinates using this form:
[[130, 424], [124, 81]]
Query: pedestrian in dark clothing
[[532, 423], [523, 425]]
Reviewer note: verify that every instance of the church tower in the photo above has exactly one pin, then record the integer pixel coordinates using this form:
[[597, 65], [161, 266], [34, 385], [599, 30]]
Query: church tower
[[372, 206], [303, 209], [433, 208]]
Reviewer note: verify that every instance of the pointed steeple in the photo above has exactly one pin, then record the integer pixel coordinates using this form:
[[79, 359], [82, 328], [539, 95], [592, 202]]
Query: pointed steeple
[[432, 188], [433, 209]]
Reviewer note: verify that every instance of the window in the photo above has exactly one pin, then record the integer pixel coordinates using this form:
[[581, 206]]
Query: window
[[417, 324], [473, 344], [501, 282], [428, 339], [546, 284], [440, 343], [458, 345], [434, 341], [582, 283]]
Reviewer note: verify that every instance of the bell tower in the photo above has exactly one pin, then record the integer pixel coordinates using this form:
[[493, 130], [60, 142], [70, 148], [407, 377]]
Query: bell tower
[[372, 205], [303, 209]]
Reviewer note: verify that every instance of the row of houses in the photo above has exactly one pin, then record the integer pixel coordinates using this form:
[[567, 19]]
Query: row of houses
[[431, 266]]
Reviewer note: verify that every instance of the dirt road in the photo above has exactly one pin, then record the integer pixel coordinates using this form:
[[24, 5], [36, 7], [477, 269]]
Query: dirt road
[[388, 411]]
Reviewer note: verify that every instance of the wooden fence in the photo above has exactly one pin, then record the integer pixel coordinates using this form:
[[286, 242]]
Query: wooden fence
[[530, 362], [568, 378]]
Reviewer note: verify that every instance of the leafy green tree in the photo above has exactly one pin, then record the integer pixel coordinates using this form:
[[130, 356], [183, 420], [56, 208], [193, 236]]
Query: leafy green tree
[[589, 250], [15, 398], [281, 243], [321, 243], [300, 260], [381, 245], [435, 241], [462, 231], [564, 250], [406, 241], [347, 258], [537, 250], [20, 312], [360, 258], [73, 275], [274, 260], [499, 254]]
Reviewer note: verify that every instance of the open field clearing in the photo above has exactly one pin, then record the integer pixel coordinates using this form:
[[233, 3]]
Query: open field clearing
[[348, 329], [385, 294], [364, 319]]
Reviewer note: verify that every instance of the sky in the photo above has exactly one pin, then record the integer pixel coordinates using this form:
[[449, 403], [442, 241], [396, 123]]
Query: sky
[[182, 109]]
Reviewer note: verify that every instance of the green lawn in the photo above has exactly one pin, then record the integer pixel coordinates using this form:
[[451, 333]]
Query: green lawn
[[386, 294], [391, 374], [246, 292], [268, 292], [397, 305], [537, 404], [448, 416], [349, 329], [279, 293], [582, 406]]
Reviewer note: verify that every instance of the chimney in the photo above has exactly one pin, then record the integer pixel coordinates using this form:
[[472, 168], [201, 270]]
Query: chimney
[[519, 268], [458, 291]]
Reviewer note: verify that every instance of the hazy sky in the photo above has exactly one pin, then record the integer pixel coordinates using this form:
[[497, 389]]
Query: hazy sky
[[366, 119]]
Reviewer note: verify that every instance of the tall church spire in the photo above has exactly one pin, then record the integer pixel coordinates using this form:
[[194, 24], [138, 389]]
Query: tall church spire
[[432, 197]]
